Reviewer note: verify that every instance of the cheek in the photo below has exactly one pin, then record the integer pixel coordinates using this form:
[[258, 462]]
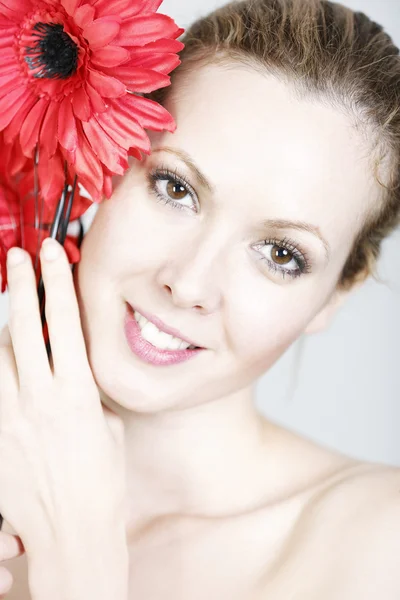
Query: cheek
[[120, 237], [266, 319]]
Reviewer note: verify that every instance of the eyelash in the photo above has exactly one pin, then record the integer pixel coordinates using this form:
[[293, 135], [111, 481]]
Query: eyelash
[[299, 255], [163, 174]]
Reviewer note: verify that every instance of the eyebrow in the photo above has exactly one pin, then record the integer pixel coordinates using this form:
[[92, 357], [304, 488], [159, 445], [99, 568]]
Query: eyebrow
[[186, 158], [300, 226], [270, 223]]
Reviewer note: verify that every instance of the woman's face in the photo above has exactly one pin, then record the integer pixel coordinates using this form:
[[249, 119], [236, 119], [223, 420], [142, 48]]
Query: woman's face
[[234, 231]]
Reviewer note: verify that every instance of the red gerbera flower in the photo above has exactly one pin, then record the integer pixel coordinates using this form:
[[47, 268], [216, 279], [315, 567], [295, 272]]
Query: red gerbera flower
[[71, 77], [25, 216], [18, 228]]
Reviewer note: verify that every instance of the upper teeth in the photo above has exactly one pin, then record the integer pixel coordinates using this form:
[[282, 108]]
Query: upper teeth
[[158, 338]]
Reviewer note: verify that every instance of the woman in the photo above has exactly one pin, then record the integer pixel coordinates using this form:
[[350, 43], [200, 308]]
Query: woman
[[248, 226]]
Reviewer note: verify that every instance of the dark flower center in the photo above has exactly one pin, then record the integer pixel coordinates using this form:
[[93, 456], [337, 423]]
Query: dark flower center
[[54, 52]]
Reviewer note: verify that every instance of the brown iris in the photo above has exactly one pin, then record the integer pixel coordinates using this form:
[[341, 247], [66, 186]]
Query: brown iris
[[282, 256], [176, 191]]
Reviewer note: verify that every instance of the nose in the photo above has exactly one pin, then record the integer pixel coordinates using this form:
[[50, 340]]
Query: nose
[[192, 274]]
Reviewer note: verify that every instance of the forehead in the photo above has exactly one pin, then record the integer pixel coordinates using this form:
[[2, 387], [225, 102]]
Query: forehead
[[250, 135]]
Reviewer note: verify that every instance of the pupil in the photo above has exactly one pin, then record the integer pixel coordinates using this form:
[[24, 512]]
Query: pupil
[[282, 260], [54, 52], [176, 190]]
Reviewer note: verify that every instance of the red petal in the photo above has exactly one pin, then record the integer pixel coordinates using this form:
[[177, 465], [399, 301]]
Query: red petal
[[141, 80], [88, 167], [96, 100], [124, 130], [151, 5], [48, 134], [11, 104], [14, 9], [108, 186], [67, 133], [135, 152], [18, 6], [110, 56], [5, 22], [13, 160], [70, 6], [164, 63], [79, 205], [126, 9], [84, 15], [13, 129], [108, 152], [122, 8], [51, 178], [8, 67], [30, 129], [72, 250], [101, 32], [160, 46], [7, 39], [145, 29], [81, 104], [8, 83], [150, 114], [107, 86]]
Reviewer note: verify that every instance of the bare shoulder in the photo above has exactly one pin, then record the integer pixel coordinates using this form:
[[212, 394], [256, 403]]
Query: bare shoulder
[[358, 514], [363, 489], [347, 534]]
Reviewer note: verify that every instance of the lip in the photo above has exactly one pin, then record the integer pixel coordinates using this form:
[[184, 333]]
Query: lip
[[146, 351], [163, 327]]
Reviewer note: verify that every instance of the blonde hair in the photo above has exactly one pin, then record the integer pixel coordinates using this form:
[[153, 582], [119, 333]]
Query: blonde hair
[[326, 51]]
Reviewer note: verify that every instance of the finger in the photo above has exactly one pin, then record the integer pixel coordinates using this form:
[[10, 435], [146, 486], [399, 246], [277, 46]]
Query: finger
[[8, 368], [24, 320], [9, 385], [62, 314], [11, 546], [6, 581]]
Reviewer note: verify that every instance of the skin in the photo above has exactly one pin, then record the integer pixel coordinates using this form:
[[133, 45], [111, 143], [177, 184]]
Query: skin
[[223, 503]]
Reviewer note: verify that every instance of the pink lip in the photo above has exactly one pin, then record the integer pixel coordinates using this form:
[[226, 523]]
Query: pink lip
[[146, 351], [163, 327]]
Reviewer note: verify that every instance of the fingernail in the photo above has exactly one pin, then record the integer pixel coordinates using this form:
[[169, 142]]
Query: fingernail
[[15, 256], [50, 249]]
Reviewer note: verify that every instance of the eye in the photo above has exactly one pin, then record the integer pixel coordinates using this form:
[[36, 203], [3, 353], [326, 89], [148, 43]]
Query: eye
[[284, 256], [171, 188]]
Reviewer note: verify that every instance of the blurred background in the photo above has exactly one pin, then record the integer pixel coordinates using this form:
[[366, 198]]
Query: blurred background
[[341, 387]]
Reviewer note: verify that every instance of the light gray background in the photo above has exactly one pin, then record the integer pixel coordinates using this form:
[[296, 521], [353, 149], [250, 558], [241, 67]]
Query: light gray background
[[347, 394]]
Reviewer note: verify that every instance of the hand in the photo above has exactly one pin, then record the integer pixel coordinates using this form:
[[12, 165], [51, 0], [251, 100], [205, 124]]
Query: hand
[[62, 469], [10, 547]]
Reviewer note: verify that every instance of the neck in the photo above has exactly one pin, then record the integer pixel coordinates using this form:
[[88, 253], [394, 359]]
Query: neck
[[207, 460]]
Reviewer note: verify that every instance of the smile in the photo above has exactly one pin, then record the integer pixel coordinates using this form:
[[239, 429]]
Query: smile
[[153, 344]]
